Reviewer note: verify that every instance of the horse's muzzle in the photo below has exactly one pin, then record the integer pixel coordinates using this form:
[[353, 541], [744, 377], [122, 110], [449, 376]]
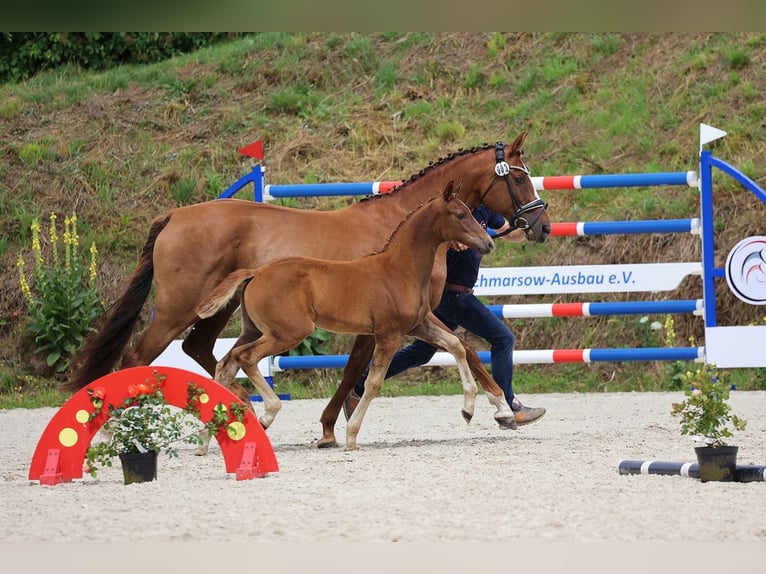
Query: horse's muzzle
[[538, 236], [488, 247]]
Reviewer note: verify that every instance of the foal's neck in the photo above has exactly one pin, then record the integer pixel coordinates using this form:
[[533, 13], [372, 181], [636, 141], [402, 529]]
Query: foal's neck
[[413, 245]]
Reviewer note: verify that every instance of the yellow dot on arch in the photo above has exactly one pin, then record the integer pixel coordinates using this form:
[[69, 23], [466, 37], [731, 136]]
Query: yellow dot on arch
[[236, 430], [204, 398], [68, 437], [82, 416]]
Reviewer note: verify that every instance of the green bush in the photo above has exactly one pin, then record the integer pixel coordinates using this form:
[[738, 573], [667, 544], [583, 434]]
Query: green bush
[[61, 300], [705, 413], [318, 343], [24, 54]]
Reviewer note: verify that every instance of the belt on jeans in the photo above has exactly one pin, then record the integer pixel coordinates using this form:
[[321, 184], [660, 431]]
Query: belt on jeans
[[456, 287]]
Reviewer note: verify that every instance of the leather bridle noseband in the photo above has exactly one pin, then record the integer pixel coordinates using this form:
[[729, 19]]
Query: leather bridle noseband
[[502, 171]]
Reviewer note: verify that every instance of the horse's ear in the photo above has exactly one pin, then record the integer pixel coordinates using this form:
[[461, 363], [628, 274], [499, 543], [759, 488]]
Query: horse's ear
[[450, 192], [518, 142]]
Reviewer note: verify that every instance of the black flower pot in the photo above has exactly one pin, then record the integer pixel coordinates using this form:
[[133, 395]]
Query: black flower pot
[[717, 463], [139, 466]]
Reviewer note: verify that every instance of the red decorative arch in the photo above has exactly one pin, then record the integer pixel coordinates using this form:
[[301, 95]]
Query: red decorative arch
[[60, 453]]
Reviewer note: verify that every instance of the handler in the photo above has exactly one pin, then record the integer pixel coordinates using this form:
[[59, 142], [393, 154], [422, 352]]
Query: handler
[[459, 307]]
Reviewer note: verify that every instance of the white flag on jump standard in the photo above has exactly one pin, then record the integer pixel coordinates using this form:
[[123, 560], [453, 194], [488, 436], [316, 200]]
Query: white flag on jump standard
[[709, 134]]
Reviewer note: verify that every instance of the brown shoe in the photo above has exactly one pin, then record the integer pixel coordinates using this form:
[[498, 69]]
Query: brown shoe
[[526, 415], [349, 403]]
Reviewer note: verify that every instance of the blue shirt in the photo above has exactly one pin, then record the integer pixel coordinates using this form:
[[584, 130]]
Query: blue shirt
[[463, 266]]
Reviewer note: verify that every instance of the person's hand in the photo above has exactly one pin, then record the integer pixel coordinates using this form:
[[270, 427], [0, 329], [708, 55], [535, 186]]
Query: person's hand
[[457, 246], [516, 236]]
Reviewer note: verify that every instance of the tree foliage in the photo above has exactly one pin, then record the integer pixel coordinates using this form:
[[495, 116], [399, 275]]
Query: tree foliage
[[24, 54]]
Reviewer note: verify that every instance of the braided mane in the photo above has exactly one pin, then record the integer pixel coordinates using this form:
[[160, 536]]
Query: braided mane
[[431, 166]]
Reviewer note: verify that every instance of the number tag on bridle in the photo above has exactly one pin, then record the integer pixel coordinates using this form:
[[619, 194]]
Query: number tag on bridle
[[502, 169]]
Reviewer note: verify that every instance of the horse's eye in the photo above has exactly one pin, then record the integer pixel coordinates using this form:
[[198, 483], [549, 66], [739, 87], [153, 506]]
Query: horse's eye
[[461, 215]]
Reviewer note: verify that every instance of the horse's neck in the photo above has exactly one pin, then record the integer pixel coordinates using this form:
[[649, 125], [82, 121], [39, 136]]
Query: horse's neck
[[413, 246]]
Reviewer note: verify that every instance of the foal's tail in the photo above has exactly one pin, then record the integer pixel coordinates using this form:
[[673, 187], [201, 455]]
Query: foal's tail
[[103, 349], [223, 293]]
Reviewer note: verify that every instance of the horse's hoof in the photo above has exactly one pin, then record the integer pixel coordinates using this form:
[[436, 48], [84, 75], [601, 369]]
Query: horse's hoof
[[327, 443], [200, 452], [467, 416], [507, 423]]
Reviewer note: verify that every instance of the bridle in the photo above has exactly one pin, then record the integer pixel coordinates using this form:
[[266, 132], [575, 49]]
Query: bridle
[[502, 171]]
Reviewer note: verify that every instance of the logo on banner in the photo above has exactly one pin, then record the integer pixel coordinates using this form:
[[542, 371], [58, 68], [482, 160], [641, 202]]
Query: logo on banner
[[746, 270]]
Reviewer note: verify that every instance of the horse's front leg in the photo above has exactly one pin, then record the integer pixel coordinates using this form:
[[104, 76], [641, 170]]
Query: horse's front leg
[[358, 360], [438, 335], [381, 359]]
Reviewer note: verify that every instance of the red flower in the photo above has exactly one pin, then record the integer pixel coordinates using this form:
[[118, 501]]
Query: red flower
[[98, 393], [133, 391], [144, 389]]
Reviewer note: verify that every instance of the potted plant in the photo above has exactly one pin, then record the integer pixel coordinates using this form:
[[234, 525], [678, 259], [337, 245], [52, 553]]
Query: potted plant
[[706, 416], [144, 424]]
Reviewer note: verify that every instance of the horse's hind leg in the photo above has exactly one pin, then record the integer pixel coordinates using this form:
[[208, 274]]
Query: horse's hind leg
[[200, 341], [248, 355], [358, 360], [155, 339], [226, 375], [503, 413]]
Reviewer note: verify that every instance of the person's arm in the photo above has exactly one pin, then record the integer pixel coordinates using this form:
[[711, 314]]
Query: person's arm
[[516, 236]]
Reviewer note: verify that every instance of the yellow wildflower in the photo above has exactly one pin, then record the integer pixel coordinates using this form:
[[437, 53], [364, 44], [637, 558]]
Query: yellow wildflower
[[92, 266], [54, 240], [35, 227], [25, 290], [670, 333]]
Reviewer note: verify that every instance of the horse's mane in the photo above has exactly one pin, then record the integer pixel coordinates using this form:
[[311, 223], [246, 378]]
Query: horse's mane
[[401, 223], [426, 170]]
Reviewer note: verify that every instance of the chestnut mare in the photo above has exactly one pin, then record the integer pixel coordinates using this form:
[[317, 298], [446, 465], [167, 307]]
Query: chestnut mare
[[384, 295], [189, 250]]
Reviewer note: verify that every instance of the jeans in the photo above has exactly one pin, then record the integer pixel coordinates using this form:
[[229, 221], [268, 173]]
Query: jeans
[[465, 310]]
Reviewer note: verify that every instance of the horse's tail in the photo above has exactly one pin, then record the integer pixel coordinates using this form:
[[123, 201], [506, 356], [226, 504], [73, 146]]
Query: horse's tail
[[223, 293], [102, 349]]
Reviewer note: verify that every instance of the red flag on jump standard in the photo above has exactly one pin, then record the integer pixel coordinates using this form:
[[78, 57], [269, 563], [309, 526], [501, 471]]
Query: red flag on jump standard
[[255, 150]]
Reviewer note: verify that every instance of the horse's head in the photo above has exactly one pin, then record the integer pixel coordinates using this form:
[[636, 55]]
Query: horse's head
[[460, 224], [511, 191]]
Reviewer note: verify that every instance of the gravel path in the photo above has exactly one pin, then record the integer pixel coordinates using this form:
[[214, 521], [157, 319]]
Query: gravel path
[[421, 475]]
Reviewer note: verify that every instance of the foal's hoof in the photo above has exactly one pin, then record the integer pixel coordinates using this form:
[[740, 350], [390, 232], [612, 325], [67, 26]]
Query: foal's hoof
[[201, 451], [327, 443], [507, 423], [467, 416]]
